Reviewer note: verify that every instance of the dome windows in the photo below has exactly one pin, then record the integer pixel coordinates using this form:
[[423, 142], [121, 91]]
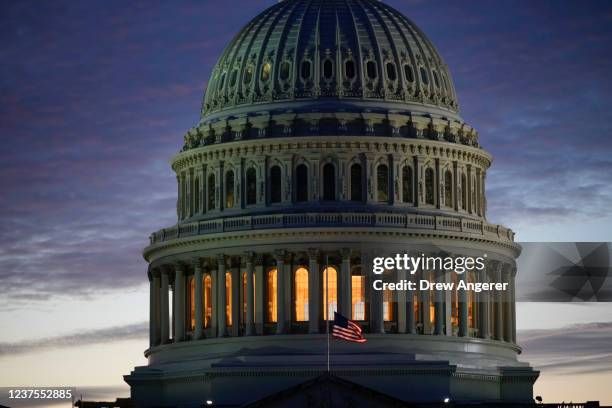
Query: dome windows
[[356, 183], [408, 73], [349, 70], [233, 77], [424, 77], [301, 179], [429, 187], [248, 74], [329, 182], [382, 181], [328, 69], [285, 71], [266, 70], [391, 73], [305, 71], [222, 81], [407, 189], [436, 80], [251, 186], [371, 69], [275, 185]]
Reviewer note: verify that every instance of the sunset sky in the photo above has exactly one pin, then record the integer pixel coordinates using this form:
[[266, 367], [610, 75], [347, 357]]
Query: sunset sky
[[95, 97]]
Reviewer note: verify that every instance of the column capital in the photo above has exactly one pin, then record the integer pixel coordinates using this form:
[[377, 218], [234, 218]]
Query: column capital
[[179, 266], [155, 272], [221, 259], [280, 255], [249, 257], [196, 262], [346, 253], [313, 253]]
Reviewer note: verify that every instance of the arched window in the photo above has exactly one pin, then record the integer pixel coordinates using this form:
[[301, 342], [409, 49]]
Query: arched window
[[371, 69], [233, 77], [424, 76], [464, 192], [407, 188], [391, 74], [301, 180], [207, 300], [329, 182], [408, 73], [301, 295], [228, 298], [388, 306], [429, 187], [305, 72], [382, 181], [356, 183], [196, 192], [275, 184], [358, 297], [248, 75], [229, 189], [330, 285], [211, 192], [191, 303], [285, 70], [221, 82], [251, 186], [448, 188], [328, 69], [271, 312], [266, 70], [349, 70]]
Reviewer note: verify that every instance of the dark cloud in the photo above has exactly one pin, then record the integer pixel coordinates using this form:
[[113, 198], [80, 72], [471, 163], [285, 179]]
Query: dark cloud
[[95, 98], [135, 331], [575, 349]]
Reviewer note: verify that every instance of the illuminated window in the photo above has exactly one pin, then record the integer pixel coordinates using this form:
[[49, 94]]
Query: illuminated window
[[429, 186], [301, 295], [211, 192], [228, 298], [448, 188], [358, 297], [265, 72], [301, 177], [472, 304], [207, 300], [329, 182], [407, 189], [382, 180], [229, 189], [454, 302], [356, 189], [464, 192], [388, 306], [275, 184], [191, 303], [271, 296], [251, 186], [330, 286]]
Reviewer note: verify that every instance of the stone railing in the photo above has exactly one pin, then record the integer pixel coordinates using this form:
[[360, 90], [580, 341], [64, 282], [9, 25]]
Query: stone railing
[[327, 220]]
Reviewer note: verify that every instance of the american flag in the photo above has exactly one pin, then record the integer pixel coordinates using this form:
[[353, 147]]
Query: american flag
[[346, 329]]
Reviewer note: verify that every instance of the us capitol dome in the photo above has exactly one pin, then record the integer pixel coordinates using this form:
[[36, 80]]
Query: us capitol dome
[[329, 129]]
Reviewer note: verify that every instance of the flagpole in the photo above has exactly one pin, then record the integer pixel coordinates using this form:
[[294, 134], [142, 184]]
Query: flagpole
[[327, 307]]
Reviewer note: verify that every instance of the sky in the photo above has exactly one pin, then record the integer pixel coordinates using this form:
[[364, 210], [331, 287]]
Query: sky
[[96, 96]]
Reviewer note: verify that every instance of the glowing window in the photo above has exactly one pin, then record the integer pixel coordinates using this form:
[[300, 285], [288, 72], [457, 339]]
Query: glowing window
[[207, 300], [265, 72], [358, 297], [301, 295], [229, 189], [388, 306], [330, 286], [271, 312], [191, 303], [228, 298]]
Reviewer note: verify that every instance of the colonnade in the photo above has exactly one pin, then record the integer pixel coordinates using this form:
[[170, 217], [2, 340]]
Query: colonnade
[[262, 294]]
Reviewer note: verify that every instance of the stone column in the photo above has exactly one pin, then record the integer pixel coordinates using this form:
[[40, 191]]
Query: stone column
[[463, 308], [507, 304], [165, 314], [179, 303], [345, 284], [499, 318], [377, 318], [402, 296], [248, 325], [483, 305], [314, 301], [439, 305], [425, 307], [197, 276], [221, 298], [280, 292], [235, 289], [410, 323], [259, 294], [153, 308]]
